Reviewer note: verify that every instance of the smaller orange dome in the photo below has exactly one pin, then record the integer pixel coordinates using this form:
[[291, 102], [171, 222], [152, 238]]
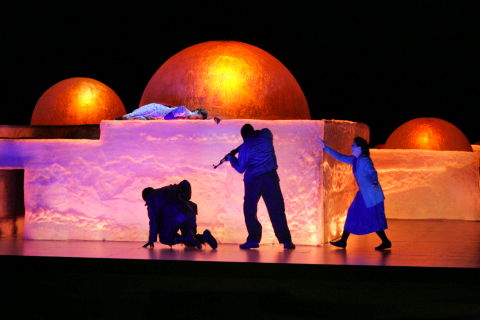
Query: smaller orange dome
[[428, 134], [77, 101]]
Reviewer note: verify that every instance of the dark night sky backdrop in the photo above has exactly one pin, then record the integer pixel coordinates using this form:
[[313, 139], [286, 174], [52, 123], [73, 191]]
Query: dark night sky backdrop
[[381, 63]]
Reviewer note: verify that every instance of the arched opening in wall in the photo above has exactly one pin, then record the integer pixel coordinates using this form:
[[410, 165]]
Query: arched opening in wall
[[12, 208]]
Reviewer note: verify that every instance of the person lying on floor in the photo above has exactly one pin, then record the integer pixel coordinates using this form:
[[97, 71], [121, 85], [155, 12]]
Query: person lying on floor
[[169, 211], [158, 111]]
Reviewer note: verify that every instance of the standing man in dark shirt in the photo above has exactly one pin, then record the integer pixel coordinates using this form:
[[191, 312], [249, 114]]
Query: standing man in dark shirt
[[256, 158]]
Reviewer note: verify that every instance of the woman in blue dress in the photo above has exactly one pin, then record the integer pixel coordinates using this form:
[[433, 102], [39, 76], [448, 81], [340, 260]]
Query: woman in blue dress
[[366, 213]]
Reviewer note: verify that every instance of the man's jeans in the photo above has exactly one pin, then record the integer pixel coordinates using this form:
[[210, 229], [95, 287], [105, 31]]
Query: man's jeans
[[267, 186]]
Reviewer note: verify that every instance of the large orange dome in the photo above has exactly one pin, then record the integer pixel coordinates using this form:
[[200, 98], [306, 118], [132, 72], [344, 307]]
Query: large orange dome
[[429, 134], [77, 101], [231, 80]]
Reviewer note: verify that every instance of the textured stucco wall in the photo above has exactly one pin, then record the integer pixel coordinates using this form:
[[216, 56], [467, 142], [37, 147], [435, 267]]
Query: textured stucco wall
[[91, 189], [426, 184]]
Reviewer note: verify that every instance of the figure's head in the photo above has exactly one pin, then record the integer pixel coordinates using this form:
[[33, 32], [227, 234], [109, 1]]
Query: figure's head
[[246, 131], [360, 147], [146, 193], [185, 189], [199, 114]]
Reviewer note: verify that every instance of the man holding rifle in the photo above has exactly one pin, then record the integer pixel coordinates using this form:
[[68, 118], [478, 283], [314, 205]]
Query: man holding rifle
[[256, 158]]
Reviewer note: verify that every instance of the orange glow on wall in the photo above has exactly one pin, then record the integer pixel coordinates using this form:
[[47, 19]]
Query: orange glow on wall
[[231, 80], [428, 134], [77, 101]]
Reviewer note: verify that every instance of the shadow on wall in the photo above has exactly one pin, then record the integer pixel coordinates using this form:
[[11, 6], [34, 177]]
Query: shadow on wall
[[12, 209], [50, 132]]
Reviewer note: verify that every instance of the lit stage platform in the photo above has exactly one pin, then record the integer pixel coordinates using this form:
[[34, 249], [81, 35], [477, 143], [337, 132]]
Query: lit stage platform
[[416, 243], [431, 272]]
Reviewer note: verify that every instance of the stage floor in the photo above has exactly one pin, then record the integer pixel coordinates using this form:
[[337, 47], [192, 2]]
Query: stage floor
[[416, 243]]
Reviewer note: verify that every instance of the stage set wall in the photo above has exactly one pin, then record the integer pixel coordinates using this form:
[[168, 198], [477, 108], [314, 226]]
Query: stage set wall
[[428, 184], [90, 189]]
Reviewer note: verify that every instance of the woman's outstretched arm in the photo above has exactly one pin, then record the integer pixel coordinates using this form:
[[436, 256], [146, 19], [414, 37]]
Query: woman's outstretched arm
[[337, 155]]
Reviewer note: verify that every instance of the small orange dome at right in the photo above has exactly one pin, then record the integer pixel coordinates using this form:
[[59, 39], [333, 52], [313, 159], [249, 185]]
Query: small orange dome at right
[[428, 134]]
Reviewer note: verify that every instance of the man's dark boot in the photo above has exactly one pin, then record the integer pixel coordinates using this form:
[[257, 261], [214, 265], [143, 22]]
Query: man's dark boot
[[208, 238], [190, 241], [249, 245], [289, 246]]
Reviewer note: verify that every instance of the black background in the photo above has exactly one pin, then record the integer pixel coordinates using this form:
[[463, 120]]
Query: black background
[[381, 63]]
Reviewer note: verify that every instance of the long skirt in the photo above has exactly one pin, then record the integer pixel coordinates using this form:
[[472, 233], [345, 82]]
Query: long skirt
[[363, 220]]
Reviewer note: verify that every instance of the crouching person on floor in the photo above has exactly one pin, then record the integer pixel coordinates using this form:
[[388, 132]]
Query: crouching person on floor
[[170, 211]]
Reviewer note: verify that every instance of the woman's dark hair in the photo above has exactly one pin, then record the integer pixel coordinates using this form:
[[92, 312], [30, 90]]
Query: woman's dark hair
[[363, 144], [203, 112]]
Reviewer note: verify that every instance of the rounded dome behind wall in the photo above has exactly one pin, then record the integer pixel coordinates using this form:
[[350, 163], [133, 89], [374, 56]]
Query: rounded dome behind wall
[[428, 134], [231, 80], [77, 101]]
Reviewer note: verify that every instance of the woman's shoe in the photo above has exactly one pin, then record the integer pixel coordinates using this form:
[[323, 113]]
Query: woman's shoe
[[339, 243], [384, 245], [148, 244]]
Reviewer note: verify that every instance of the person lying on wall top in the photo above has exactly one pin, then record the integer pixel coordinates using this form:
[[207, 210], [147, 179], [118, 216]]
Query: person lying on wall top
[[158, 111]]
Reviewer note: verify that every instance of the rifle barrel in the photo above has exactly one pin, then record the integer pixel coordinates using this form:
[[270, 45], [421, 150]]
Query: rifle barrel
[[233, 152]]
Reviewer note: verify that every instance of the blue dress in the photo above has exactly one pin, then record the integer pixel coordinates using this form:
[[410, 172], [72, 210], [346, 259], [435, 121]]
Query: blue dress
[[362, 220]]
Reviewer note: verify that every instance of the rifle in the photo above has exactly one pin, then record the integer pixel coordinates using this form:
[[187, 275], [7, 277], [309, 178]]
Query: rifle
[[231, 153]]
